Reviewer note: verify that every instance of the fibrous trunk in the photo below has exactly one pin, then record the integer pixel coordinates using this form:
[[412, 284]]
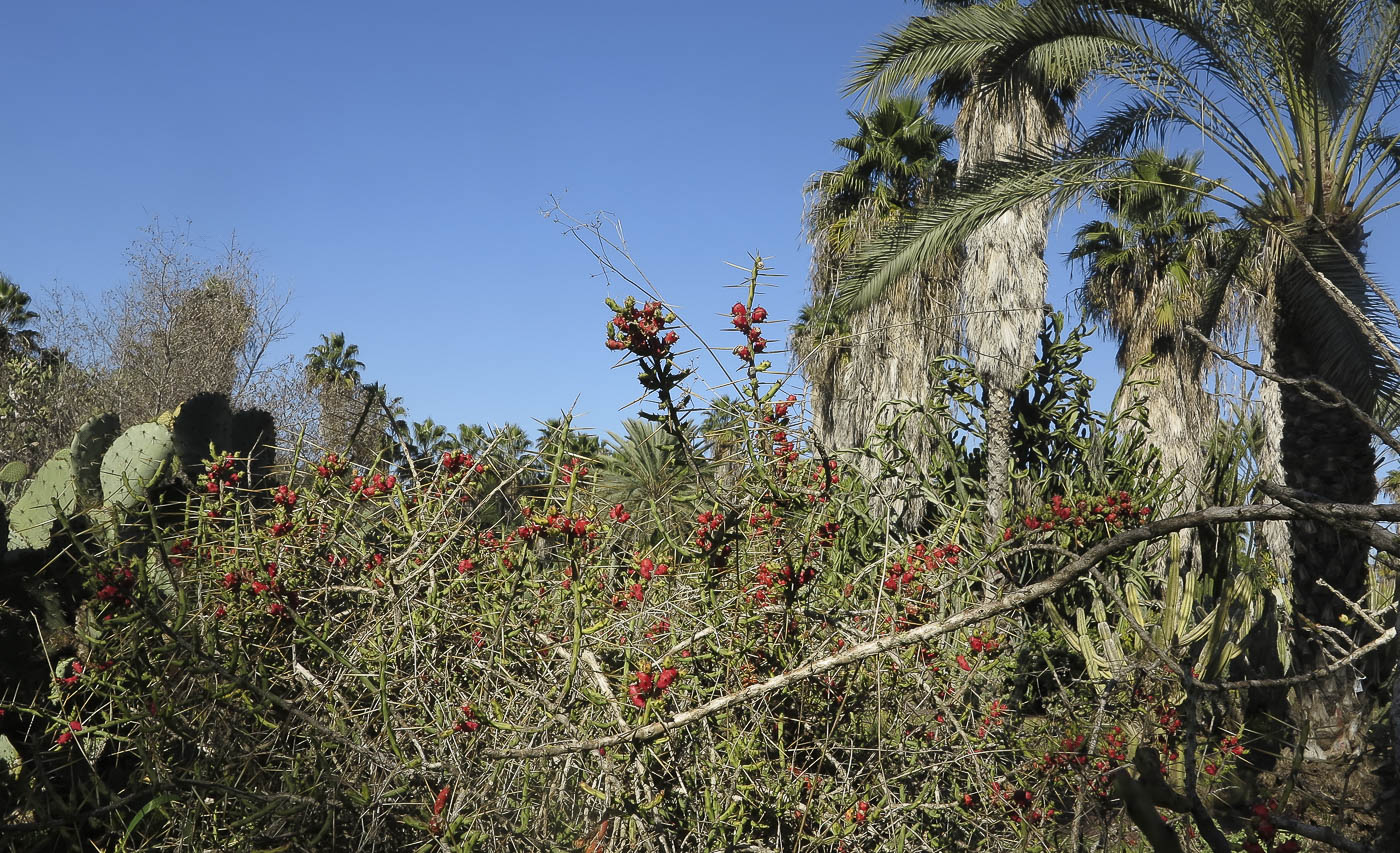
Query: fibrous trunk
[[887, 356], [1327, 452], [1178, 414], [1004, 275]]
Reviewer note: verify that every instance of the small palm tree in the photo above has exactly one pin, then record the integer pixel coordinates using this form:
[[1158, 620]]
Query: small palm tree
[[14, 318], [334, 362], [647, 468]]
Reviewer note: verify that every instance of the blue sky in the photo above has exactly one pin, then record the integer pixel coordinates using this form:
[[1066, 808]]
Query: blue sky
[[390, 167]]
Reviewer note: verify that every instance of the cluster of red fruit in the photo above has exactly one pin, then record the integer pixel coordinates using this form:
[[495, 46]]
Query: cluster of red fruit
[[220, 472], [1262, 819], [995, 717], [459, 462], [747, 323], [571, 469], [233, 581], [566, 525], [435, 825], [1113, 511], [1071, 752], [638, 330], [115, 587], [468, 723], [770, 582], [69, 681], [860, 813], [646, 686], [619, 514], [67, 734], [904, 573], [332, 464], [378, 485], [707, 524]]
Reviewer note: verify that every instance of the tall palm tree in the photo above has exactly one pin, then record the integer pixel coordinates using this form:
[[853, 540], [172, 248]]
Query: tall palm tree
[[1310, 87], [1012, 104], [1146, 271], [856, 361]]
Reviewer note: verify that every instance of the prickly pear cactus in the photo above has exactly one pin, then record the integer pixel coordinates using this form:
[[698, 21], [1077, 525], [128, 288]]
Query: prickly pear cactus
[[89, 445], [254, 432], [13, 472], [201, 421], [50, 494], [135, 461]]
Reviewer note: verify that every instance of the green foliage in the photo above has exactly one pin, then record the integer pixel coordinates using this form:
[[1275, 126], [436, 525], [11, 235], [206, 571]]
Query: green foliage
[[351, 644]]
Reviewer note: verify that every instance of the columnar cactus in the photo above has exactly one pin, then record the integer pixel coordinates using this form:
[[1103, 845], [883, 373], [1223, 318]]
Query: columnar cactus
[[1181, 623]]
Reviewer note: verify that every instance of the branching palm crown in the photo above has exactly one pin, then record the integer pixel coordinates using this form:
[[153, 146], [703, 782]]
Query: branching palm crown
[[14, 318], [334, 362]]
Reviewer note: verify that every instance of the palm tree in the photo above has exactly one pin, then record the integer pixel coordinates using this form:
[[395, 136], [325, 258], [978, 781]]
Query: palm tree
[[332, 369], [14, 317], [648, 469], [855, 361], [1146, 269], [1310, 85], [1012, 104], [334, 362]]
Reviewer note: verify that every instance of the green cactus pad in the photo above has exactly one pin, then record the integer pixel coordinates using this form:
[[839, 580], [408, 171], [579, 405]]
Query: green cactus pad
[[200, 421], [254, 434], [89, 444], [34, 513], [134, 462], [13, 472]]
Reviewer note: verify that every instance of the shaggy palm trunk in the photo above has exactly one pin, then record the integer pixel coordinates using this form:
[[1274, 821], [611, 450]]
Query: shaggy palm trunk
[[1324, 450], [887, 357], [1178, 413], [1004, 275]]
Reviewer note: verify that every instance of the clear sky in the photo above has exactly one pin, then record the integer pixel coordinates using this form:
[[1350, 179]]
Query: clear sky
[[389, 164]]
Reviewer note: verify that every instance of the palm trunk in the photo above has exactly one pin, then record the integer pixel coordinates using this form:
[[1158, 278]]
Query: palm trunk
[[887, 357], [1178, 414], [1325, 451], [1004, 276]]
